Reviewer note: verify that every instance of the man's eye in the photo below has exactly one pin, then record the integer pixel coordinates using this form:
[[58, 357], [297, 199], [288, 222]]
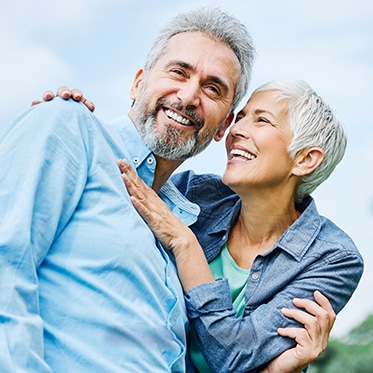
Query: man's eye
[[177, 72], [213, 89]]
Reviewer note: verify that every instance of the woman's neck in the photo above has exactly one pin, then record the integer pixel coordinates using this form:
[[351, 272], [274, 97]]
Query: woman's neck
[[261, 222]]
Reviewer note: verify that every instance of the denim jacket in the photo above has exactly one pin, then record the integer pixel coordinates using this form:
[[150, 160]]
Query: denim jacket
[[312, 254]]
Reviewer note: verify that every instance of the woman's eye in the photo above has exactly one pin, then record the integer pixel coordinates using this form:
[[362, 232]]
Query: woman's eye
[[238, 118], [263, 120]]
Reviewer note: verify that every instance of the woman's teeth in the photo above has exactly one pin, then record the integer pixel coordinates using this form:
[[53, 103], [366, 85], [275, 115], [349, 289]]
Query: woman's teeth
[[242, 153]]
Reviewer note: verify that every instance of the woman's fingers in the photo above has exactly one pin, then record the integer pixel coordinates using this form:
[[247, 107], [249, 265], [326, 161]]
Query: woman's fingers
[[318, 320], [153, 210], [66, 93]]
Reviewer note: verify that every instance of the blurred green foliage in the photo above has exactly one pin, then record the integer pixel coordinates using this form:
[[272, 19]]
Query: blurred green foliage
[[350, 354]]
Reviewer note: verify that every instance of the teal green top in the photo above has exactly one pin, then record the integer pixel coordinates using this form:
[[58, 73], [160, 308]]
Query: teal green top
[[223, 266]]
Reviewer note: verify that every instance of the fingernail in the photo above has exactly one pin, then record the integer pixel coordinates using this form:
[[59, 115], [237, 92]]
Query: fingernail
[[123, 163]]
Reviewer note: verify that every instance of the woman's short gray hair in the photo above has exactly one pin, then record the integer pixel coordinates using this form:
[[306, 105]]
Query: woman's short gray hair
[[216, 24], [312, 123]]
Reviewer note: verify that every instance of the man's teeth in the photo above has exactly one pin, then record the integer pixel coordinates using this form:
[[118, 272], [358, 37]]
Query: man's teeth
[[178, 118], [241, 153]]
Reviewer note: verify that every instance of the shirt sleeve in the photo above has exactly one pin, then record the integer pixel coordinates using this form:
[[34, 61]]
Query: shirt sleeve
[[43, 157], [245, 344]]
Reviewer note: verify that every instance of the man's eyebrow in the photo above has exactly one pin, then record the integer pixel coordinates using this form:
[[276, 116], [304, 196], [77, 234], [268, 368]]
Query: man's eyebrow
[[188, 66], [183, 64], [219, 82]]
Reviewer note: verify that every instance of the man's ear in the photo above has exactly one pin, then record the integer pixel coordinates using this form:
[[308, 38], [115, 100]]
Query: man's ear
[[307, 161], [220, 134], [136, 84]]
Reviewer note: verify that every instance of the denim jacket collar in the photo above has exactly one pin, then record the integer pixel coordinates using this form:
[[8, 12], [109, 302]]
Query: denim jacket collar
[[297, 239], [292, 241]]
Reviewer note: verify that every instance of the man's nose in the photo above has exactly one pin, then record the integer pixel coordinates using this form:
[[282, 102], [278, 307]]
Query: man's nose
[[189, 93]]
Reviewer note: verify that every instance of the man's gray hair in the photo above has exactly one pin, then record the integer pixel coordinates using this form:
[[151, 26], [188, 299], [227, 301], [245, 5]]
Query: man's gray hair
[[216, 24], [312, 123]]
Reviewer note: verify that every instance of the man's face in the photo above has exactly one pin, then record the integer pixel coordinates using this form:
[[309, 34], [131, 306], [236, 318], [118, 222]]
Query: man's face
[[185, 100]]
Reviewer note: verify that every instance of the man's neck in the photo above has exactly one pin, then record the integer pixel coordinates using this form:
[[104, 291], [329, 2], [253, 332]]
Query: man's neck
[[163, 171]]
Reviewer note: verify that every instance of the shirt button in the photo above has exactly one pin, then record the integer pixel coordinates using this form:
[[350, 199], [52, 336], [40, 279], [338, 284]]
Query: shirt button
[[135, 160], [255, 276], [150, 160]]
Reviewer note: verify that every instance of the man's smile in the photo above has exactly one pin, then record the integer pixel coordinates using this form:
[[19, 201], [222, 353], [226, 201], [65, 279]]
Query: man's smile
[[178, 118]]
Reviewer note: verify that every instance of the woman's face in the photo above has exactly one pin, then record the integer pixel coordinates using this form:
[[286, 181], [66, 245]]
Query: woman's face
[[257, 145]]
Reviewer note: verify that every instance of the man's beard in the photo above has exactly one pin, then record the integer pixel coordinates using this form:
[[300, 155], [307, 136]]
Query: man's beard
[[167, 141]]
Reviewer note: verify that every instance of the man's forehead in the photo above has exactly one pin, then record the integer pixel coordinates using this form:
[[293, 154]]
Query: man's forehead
[[191, 37], [200, 49]]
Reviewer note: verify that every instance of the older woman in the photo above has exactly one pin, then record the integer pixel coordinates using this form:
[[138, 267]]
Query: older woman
[[259, 241]]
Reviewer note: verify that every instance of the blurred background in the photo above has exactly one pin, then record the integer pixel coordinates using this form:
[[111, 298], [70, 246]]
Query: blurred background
[[98, 45]]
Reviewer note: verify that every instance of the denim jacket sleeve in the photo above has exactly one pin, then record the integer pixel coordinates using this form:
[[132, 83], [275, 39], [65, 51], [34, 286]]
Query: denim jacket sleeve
[[244, 344]]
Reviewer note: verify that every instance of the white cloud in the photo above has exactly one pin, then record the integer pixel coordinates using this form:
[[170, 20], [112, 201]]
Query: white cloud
[[25, 70], [69, 16], [32, 35]]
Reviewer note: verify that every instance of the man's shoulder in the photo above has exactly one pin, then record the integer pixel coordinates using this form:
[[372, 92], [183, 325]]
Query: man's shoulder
[[64, 117], [50, 124], [62, 109]]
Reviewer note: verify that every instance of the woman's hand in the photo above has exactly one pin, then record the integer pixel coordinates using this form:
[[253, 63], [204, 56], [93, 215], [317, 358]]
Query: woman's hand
[[65, 93], [164, 224], [192, 265], [312, 340]]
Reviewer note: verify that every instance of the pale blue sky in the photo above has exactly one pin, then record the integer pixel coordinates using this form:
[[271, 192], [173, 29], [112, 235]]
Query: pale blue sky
[[98, 45]]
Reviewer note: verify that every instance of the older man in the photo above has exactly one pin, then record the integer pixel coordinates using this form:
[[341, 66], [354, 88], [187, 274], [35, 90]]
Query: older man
[[84, 287]]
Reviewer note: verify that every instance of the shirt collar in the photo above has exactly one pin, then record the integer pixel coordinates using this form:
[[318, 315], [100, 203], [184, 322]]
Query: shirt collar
[[181, 207], [143, 160]]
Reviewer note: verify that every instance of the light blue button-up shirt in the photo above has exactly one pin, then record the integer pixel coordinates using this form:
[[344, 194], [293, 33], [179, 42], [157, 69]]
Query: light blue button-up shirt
[[83, 285]]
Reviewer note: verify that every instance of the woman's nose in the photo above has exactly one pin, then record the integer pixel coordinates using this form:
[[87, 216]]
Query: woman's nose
[[241, 128]]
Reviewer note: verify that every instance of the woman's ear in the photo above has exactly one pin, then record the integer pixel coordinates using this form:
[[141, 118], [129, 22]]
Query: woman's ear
[[136, 84], [307, 161], [220, 134]]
